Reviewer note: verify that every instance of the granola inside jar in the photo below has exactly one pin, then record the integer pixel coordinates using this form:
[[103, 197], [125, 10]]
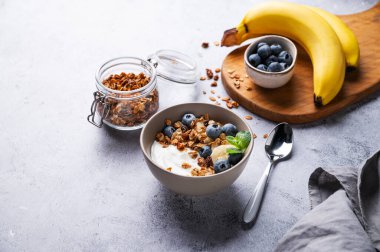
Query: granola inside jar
[[127, 93], [127, 87]]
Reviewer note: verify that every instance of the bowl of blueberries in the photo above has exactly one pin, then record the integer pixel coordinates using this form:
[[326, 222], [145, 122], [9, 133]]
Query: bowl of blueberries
[[269, 61]]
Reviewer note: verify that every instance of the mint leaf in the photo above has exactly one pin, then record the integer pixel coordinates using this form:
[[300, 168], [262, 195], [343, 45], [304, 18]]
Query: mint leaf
[[234, 151], [243, 139], [232, 140]]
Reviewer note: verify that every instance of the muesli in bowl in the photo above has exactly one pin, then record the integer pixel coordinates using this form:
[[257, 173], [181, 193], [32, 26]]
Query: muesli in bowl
[[189, 184], [199, 146]]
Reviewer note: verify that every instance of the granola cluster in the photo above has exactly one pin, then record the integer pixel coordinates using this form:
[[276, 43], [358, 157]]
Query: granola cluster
[[126, 81], [194, 138], [130, 109]]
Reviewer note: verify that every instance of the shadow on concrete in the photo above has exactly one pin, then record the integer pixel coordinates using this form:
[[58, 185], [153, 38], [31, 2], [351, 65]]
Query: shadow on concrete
[[202, 222]]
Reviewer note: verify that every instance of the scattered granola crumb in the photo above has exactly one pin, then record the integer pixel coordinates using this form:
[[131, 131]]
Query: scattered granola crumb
[[203, 78], [248, 117], [217, 103], [217, 70], [254, 136], [230, 71], [205, 45], [248, 88], [214, 84], [212, 98], [204, 92], [265, 136], [217, 43], [229, 105], [209, 73], [226, 99], [235, 104], [212, 91], [216, 77], [186, 165], [218, 96], [169, 169]]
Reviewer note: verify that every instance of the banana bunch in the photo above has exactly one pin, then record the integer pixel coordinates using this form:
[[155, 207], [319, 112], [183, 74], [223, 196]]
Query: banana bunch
[[330, 44]]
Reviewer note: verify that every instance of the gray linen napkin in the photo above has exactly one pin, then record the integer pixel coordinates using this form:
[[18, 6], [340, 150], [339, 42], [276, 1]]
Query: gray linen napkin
[[345, 213]]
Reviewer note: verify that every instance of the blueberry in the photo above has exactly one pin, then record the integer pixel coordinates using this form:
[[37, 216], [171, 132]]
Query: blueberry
[[168, 131], [254, 60], [284, 65], [187, 119], [275, 49], [264, 51], [233, 159], [274, 67], [285, 57], [262, 67], [221, 165], [213, 131], [229, 129], [205, 151], [260, 45], [271, 59]]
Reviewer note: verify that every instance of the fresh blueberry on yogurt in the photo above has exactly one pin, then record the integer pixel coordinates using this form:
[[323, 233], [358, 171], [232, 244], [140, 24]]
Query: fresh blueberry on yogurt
[[213, 131], [168, 131], [233, 159], [205, 151], [229, 129], [221, 165], [187, 119]]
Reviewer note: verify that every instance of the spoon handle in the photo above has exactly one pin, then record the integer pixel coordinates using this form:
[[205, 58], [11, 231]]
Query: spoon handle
[[252, 209]]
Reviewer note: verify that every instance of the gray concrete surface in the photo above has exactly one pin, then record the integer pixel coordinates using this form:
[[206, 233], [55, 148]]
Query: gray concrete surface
[[68, 186]]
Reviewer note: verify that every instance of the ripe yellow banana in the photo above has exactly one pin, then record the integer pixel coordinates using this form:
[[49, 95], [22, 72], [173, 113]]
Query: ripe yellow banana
[[347, 38], [309, 29]]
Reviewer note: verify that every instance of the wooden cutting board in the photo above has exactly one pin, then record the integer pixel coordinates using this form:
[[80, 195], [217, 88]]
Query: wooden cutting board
[[293, 102]]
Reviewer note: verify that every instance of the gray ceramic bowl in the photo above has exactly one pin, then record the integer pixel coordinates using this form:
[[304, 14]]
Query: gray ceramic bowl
[[185, 184], [270, 79]]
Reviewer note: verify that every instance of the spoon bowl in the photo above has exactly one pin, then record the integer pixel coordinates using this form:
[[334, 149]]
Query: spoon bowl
[[279, 142], [278, 146]]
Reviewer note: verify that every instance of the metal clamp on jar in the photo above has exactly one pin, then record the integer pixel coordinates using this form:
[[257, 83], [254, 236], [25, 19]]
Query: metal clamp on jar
[[129, 110]]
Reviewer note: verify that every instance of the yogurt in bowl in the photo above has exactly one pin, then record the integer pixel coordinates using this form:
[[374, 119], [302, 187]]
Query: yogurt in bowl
[[173, 159]]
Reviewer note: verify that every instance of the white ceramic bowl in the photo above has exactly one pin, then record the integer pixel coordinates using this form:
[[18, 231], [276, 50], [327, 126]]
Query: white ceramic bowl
[[186, 184], [270, 79]]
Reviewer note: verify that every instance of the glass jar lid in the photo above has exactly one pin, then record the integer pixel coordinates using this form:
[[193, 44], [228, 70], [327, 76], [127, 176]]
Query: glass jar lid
[[175, 66]]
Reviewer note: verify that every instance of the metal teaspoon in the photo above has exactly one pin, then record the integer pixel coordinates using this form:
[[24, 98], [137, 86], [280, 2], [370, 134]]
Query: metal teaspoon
[[277, 147]]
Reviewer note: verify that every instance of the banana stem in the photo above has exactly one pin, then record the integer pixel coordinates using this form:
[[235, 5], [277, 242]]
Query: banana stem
[[229, 37]]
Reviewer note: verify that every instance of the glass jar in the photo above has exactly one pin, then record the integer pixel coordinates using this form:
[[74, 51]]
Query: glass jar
[[124, 110], [129, 110]]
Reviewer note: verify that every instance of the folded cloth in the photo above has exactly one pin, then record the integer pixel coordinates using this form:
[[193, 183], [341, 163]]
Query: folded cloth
[[345, 213]]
